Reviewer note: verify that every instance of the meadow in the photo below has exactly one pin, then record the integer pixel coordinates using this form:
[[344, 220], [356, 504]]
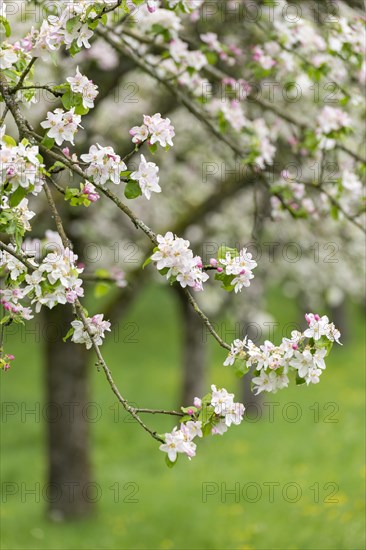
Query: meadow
[[293, 480]]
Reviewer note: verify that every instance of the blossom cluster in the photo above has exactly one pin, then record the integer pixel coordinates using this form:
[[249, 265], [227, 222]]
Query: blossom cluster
[[5, 361], [62, 126], [239, 267], [14, 267], [20, 164], [184, 57], [212, 415], [147, 176], [302, 354], [73, 26], [8, 56], [55, 281], [10, 300], [97, 327], [331, 121], [175, 259], [156, 129], [81, 84], [104, 164], [188, 6], [18, 215]]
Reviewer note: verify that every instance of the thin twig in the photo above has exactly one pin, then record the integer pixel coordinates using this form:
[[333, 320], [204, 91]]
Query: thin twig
[[159, 411], [18, 256], [23, 75], [205, 320]]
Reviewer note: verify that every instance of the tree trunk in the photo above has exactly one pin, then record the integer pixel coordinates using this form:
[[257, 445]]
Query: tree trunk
[[339, 318], [69, 494], [193, 352]]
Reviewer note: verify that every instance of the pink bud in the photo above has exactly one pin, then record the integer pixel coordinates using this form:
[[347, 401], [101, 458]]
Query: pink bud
[[11, 357], [220, 270], [242, 272], [197, 402], [7, 306], [190, 412], [213, 262], [6, 366], [307, 318], [200, 265], [295, 346], [316, 317], [93, 197], [66, 151]]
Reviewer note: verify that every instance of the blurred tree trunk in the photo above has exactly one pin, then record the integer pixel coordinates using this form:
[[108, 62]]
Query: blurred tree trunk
[[194, 358], [339, 318], [67, 388]]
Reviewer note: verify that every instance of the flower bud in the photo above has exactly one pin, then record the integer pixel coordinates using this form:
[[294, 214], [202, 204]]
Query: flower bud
[[197, 402]]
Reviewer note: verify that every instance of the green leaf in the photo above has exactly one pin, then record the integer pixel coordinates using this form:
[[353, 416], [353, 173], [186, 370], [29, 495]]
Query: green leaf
[[323, 342], [101, 290], [132, 190], [207, 429], [68, 99], [334, 212], [5, 24], [102, 273], [153, 148], [69, 334], [8, 140], [71, 24], [17, 196], [58, 164], [241, 368], [61, 87], [48, 142], [81, 110], [223, 250], [146, 262], [74, 48], [211, 57], [299, 381], [169, 463], [226, 281]]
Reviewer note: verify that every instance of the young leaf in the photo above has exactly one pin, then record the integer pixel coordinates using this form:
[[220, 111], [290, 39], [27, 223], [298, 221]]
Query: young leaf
[[132, 190], [5, 24], [17, 196], [169, 463], [69, 334], [48, 142]]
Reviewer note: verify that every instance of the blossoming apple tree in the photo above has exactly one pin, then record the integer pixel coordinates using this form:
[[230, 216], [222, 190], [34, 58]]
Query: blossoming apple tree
[[155, 35]]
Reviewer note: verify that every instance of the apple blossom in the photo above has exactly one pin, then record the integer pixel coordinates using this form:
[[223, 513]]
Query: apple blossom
[[156, 129], [104, 164], [96, 325], [62, 126], [174, 256], [303, 353], [217, 411], [147, 176], [81, 84]]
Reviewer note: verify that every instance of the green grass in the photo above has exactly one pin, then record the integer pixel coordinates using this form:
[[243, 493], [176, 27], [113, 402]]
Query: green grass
[[170, 512]]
